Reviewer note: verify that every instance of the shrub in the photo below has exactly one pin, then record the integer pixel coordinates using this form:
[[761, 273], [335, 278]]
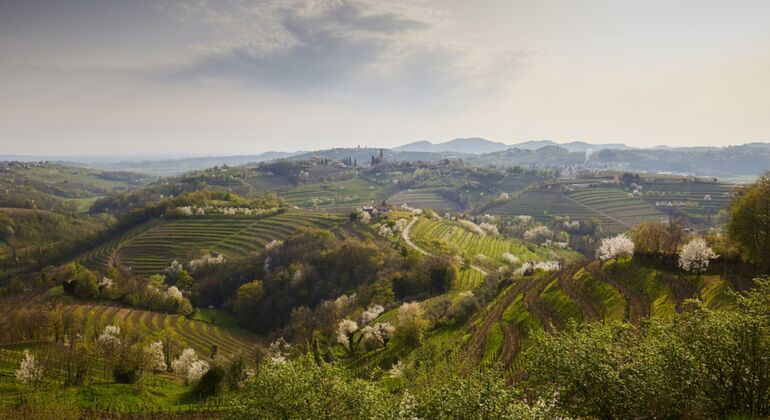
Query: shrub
[[211, 383]]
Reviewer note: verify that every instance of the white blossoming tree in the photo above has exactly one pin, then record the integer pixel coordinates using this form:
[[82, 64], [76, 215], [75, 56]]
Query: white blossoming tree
[[189, 366], [109, 339], [346, 331], [156, 358], [615, 247], [380, 332], [30, 370], [347, 328], [279, 350], [538, 234], [696, 255]]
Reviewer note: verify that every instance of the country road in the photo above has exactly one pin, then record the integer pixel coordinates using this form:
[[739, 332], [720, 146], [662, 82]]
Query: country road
[[405, 235]]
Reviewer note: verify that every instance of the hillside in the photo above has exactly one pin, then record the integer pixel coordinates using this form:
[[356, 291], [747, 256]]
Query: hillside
[[611, 206], [148, 249]]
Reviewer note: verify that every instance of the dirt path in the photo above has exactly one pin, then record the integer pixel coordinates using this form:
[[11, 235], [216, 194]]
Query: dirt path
[[405, 236]]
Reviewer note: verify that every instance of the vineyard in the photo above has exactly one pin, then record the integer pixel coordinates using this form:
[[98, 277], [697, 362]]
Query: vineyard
[[149, 248], [333, 196], [199, 335], [701, 198], [449, 238], [424, 198], [615, 291], [612, 207], [617, 205]]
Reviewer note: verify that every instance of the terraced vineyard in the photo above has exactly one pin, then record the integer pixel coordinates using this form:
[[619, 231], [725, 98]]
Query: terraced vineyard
[[333, 196], [516, 182], [424, 198], [616, 204], [619, 290], [149, 249], [695, 197], [613, 207], [198, 335], [449, 238]]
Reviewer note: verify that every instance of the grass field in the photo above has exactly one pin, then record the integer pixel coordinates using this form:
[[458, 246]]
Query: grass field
[[54, 174], [149, 248]]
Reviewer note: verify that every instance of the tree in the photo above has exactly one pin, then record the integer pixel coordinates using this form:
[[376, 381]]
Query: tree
[[156, 358], [411, 324], [749, 223], [211, 383], [189, 366], [380, 332], [30, 370], [615, 247], [695, 256], [654, 238], [248, 300], [346, 331], [7, 230]]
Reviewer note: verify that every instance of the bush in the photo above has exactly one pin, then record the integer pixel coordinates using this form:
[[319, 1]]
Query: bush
[[211, 383], [302, 389], [126, 374]]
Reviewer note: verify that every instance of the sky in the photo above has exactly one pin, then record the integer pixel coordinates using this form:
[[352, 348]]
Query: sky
[[242, 77]]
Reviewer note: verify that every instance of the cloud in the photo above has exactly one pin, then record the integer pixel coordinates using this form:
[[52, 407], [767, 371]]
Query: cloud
[[335, 44]]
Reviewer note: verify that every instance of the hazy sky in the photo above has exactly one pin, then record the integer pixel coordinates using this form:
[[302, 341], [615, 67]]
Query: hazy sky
[[232, 76]]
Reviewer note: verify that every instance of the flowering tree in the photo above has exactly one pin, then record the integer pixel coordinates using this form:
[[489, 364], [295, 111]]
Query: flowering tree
[[472, 227], [347, 328], [490, 228], [380, 332], [156, 358], [189, 366], [364, 217], [510, 258], [538, 234], [346, 331], [109, 339], [372, 313], [30, 370], [695, 256], [279, 350], [615, 247], [411, 323]]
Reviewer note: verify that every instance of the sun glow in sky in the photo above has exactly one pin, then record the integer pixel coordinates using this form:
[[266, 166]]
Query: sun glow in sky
[[233, 76]]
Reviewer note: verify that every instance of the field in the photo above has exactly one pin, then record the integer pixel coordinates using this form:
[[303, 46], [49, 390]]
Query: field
[[333, 196], [612, 207], [54, 174], [149, 248], [423, 198]]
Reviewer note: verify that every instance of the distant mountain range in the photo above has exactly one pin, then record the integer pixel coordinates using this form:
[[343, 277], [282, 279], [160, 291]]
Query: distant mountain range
[[477, 146]]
